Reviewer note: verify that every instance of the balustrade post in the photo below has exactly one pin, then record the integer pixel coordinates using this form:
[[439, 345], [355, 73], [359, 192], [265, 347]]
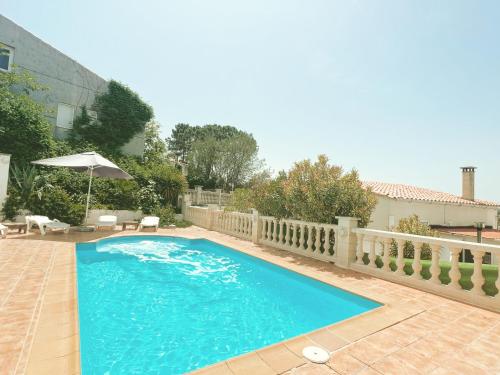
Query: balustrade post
[[282, 234], [287, 234], [345, 241], [326, 244], [275, 230], [372, 256], [269, 222], [301, 239], [211, 212], [197, 194], [359, 248], [186, 202], [317, 243], [400, 260], [255, 227], [435, 268], [455, 269], [417, 265], [386, 256], [477, 277]]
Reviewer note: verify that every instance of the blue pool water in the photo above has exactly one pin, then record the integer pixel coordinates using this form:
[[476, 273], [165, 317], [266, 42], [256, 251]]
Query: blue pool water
[[164, 305]]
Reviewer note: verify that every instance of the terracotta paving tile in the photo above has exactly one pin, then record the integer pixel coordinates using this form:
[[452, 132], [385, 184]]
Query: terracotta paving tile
[[328, 339], [393, 366], [45, 349], [249, 364], [481, 358], [345, 364], [217, 369], [384, 342], [368, 371], [365, 352], [280, 358], [69, 364], [463, 367], [415, 359], [444, 371], [312, 369]]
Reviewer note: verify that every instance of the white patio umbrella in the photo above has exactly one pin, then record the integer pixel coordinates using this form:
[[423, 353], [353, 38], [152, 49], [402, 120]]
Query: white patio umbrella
[[90, 162]]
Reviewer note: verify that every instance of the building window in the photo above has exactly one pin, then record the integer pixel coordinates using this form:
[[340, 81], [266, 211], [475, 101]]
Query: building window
[[6, 56], [65, 116]]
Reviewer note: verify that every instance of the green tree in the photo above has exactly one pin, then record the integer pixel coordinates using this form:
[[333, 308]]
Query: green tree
[[266, 195], [121, 114], [237, 161], [316, 192], [155, 149], [25, 132], [319, 192], [222, 156], [181, 140]]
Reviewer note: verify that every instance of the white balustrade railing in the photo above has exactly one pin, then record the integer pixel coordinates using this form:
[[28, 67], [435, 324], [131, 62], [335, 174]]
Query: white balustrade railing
[[235, 223], [427, 263], [199, 216], [205, 197], [382, 254], [314, 240]]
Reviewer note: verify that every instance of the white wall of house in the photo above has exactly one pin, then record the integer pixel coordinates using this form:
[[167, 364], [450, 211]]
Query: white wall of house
[[389, 211], [4, 177], [70, 85]]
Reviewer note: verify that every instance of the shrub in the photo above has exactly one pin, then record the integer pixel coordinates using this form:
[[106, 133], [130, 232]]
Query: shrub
[[57, 205], [147, 198], [316, 192], [166, 215], [116, 194], [413, 225], [12, 205]]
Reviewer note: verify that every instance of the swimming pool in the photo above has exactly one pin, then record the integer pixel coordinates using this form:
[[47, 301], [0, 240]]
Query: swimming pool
[[167, 305]]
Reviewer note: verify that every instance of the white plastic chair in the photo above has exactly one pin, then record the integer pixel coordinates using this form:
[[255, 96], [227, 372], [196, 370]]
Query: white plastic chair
[[44, 224], [107, 221], [150, 222], [3, 231]]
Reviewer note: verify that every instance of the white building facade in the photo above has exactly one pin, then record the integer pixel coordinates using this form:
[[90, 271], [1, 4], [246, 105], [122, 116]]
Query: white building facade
[[397, 201], [70, 85]]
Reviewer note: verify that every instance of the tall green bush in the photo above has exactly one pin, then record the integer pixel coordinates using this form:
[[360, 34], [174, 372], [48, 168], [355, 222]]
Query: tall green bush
[[316, 192], [57, 205], [25, 132]]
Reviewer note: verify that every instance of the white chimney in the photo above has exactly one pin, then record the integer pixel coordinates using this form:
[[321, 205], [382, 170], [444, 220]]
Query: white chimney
[[468, 182]]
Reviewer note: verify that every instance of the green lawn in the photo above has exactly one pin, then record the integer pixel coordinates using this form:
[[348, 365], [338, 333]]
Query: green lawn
[[490, 272]]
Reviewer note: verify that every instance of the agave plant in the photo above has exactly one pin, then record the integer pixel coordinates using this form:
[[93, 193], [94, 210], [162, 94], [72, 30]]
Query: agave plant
[[27, 181]]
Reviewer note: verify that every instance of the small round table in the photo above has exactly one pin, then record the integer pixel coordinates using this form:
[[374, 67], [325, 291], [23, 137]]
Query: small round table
[[21, 227], [131, 223]]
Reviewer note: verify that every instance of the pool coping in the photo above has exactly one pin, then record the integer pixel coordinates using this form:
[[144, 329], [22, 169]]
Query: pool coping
[[48, 355]]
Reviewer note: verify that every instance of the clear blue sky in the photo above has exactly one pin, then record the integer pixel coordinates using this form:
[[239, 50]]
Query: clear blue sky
[[404, 91]]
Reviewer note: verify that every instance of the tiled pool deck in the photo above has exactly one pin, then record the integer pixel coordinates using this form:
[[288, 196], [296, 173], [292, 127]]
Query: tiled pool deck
[[414, 333]]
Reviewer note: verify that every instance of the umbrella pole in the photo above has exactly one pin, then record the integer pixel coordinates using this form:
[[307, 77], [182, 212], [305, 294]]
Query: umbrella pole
[[88, 195]]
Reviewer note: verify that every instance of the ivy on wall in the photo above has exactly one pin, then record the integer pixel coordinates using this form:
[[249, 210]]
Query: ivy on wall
[[121, 114]]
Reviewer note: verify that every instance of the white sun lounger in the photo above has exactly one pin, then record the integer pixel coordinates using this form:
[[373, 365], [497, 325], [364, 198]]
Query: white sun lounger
[[106, 221], [150, 222], [3, 231], [44, 224]]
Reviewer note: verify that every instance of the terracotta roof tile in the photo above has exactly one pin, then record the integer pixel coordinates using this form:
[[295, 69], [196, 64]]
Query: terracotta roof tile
[[467, 231], [400, 191]]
